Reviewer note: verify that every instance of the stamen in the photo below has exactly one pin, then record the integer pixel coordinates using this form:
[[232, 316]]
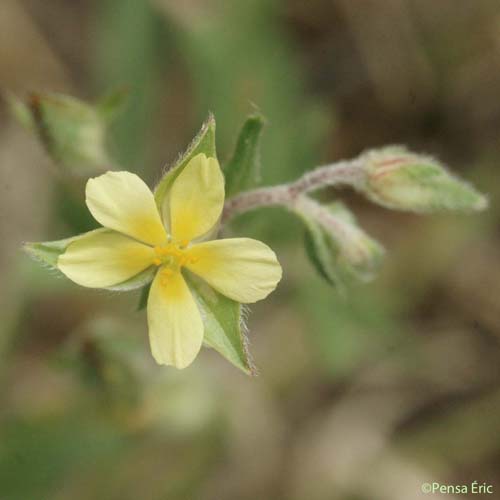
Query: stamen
[[171, 255]]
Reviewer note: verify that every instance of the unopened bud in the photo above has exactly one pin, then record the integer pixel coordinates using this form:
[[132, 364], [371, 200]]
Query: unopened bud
[[71, 131], [359, 254], [401, 180], [337, 246]]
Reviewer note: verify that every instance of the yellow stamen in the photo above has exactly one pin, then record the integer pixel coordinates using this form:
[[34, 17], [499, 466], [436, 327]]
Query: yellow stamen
[[172, 257]]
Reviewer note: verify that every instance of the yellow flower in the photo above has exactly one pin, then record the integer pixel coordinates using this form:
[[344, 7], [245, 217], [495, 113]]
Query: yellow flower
[[138, 237]]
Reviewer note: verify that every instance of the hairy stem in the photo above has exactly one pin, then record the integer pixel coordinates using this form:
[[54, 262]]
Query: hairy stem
[[349, 172]]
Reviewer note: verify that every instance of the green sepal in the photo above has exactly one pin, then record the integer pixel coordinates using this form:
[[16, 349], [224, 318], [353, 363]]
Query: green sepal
[[48, 253], [143, 297], [204, 143], [321, 253], [243, 169], [222, 318], [138, 281], [71, 131]]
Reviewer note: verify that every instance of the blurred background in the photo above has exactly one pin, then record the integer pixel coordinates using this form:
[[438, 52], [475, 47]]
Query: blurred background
[[362, 397]]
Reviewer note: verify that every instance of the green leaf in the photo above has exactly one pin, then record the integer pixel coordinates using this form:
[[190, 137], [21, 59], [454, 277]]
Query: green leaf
[[223, 324], [48, 253], [139, 280], [204, 143], [243, 169], [401, 180]]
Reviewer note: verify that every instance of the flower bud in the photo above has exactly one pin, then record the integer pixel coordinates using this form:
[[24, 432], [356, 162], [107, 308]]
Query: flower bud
[[401, 180], [71, 131], [337, 246], [359, 254]]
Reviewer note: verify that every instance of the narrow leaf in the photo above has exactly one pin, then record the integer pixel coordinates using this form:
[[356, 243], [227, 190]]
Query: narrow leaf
[[243, 169]]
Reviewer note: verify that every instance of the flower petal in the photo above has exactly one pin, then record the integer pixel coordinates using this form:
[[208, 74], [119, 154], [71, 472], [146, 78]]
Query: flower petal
[[196, 198], [123, 202], [104, 259], [242, 269], [175, 324]]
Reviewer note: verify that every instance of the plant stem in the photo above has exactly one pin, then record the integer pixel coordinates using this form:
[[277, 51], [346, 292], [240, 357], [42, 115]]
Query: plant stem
[[348, 172]]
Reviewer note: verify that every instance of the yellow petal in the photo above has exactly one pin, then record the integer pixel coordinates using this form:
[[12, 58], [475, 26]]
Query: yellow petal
[[174, 321], [196, 198], [242, 269], [123, 202], [104, 259]]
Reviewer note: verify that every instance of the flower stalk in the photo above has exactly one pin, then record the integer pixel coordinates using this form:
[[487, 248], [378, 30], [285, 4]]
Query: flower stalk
[[345, 172], [408, 182]]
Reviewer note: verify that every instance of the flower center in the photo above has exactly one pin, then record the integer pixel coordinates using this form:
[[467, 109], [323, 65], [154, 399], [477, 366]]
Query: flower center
[[171, 257]]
